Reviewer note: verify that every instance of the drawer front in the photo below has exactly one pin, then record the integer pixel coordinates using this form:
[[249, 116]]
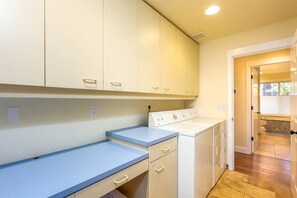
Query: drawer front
[[114, 181], [222, 126], [216, 129], [162, 149]]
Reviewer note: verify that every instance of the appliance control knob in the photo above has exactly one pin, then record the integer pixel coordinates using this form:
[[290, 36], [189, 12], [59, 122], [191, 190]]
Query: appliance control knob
[[174, 116]]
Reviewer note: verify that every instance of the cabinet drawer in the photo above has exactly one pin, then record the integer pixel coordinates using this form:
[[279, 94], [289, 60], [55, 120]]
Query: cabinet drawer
[[163, 177], [162, 149], [114, 181]]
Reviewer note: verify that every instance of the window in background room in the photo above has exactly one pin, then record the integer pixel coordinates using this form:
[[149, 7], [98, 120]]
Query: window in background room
[[269, 89]]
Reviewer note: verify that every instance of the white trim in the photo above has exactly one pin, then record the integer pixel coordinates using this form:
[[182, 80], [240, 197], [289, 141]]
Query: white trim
[[231, 54], [248, 109], [241, 149]]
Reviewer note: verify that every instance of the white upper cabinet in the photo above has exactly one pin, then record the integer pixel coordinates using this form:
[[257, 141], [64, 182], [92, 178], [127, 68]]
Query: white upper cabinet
[[74, 43], [120, 45], [168, 57], [187, 65], [22, 42], [148, 49]]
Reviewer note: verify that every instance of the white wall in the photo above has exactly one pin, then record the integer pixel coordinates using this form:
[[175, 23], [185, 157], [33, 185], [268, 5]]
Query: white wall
[[279, 105], [213, 63], [48, 125]]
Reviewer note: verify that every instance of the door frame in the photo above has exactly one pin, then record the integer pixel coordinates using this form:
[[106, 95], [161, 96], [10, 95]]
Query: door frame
[[231, 55]]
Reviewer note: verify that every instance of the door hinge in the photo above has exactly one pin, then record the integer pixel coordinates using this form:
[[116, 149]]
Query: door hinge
[[252, 107], [252, 77], [252, 138]]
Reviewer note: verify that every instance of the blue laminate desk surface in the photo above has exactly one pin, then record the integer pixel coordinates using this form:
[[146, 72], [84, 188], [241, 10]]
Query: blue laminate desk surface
[[63, 173], [142, 135]]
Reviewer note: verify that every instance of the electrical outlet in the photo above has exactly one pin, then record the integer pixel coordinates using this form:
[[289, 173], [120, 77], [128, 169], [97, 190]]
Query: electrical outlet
[[93, 111]]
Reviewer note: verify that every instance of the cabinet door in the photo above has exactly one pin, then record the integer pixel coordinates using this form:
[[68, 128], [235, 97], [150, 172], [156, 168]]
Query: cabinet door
[[219, 156], [22, 42], [194, 69], [163, 177], [168, 57], [148, 49], [120, 45], [74, 43], [187, 60]]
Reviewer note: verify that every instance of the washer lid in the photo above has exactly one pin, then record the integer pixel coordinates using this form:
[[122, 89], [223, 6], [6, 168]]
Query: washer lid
[[187, 129]]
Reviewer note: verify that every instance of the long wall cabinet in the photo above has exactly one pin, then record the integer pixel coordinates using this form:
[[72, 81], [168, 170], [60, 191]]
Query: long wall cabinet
[[114, 45]]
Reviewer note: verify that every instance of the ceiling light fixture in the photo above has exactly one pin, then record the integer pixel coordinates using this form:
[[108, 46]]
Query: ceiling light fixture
[[260, 73], [293, 69], [212, 10]]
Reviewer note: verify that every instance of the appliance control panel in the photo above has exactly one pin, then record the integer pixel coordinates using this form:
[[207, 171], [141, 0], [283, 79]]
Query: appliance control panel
[[162, 118]]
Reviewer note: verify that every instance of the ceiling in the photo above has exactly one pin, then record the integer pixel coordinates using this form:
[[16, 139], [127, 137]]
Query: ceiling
[[276, 68], [235, 15]]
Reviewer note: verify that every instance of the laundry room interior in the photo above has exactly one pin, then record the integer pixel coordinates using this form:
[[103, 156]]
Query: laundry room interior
[[148, 99]]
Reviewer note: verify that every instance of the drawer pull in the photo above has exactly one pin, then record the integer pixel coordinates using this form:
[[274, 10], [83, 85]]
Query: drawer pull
[[166, 89], [159, 170], [119, 182], [117, 84], [165, 149], [155, 88], [90, 81]]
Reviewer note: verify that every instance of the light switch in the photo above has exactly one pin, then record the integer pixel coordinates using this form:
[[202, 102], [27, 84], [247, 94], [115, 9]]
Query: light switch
[[13, 114], [221, 106]]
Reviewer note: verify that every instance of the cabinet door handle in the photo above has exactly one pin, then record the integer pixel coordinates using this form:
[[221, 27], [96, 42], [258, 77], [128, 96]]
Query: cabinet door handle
[[117, 84], [90, 81], [160, 169], [119, 182], [155, 88], [165, 149]]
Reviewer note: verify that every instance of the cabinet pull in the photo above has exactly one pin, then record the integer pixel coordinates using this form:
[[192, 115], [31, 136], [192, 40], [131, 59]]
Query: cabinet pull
[[155, 88], [119, 182], [159, 170], [166, 89], [165, 149], [117, 84], [90, 81]]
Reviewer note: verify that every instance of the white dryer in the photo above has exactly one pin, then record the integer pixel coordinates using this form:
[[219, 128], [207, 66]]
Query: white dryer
[[195, 150]]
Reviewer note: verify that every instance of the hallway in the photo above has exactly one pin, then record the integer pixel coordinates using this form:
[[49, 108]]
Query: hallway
[[274, 145]]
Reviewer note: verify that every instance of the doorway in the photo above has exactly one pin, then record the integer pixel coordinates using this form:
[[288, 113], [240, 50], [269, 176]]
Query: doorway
[[231, 55], [270, 97]]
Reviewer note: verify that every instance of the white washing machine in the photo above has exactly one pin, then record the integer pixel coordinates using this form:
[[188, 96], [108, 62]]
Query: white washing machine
[[195, 150]]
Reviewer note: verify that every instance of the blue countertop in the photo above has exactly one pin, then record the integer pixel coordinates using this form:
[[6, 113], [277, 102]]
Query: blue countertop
[[142, 135], [63, 173]]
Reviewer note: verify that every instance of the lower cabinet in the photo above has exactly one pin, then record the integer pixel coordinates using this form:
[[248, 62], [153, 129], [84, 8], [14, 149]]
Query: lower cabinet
[[163, 177], [112, 182]]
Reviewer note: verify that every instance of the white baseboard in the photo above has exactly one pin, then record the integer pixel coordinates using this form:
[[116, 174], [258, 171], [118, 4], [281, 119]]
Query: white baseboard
[[241, 150], [293, 187]]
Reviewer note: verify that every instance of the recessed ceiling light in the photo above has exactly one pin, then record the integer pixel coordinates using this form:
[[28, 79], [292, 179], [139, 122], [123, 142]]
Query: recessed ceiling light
[[293, 69], [212, 10]]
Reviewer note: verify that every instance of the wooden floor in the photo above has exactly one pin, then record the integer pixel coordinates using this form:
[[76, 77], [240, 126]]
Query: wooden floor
[[276, 170]]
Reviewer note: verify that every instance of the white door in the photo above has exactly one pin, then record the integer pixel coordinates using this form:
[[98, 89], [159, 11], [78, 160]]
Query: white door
[[255, 108], [294, 117]]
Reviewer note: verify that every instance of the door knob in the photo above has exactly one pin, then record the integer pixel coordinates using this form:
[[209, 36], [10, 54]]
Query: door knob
[[293, 132]]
